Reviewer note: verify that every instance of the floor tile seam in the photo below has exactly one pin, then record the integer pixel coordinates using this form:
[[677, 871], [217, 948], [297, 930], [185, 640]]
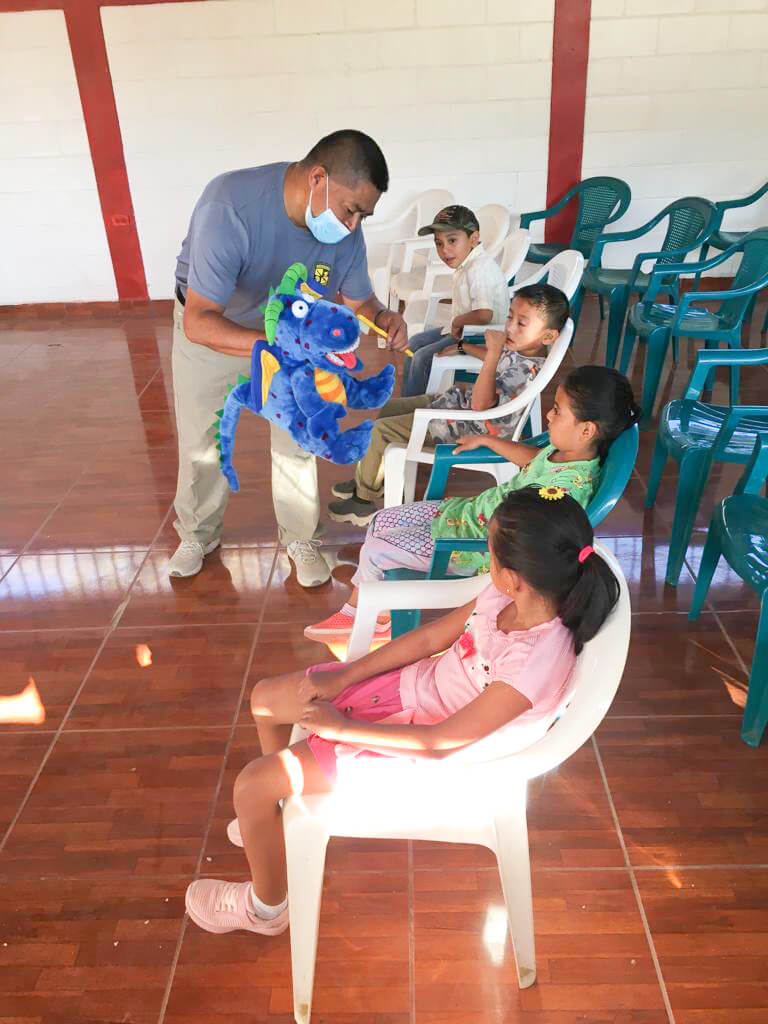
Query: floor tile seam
[[662, 715], [52, 513], [744, 667], [216, 793], [411, 939], [9, 878], [635, 886], [5, 572]]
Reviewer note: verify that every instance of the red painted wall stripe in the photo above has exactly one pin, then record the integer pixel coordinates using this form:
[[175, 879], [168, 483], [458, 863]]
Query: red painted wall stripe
[[570, 56], [89, 54]]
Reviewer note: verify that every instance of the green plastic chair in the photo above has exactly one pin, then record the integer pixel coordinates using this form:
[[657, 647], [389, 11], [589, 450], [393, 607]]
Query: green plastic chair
[[725, 239], [690, 222], [656, 323], [739, 532], [695, 435], [601, 201], [614, 477]]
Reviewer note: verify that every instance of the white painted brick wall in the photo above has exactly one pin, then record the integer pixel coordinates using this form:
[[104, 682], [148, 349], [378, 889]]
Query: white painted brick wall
[[54, 247], [456, 93], [677, 95]]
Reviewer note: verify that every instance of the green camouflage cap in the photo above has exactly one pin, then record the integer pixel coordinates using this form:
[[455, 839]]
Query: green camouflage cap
[[452, 218]]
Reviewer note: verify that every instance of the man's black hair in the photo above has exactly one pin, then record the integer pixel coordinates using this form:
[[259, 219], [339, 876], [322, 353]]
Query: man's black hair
[[350, 156]]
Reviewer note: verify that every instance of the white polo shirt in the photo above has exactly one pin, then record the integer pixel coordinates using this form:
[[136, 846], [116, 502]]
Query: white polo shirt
[[479, 284]]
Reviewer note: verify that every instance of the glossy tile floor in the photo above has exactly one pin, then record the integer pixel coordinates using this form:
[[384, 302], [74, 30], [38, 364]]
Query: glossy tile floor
[[649, 846]]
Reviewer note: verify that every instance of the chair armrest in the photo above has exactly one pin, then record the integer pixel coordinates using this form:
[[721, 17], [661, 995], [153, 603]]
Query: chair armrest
[[732, 204], [706, 359], [611, 237], [752, 480], [643, 257], [526, 218], [674, 269], [382, 595], [445, 459], [470, 332], [689, 298]]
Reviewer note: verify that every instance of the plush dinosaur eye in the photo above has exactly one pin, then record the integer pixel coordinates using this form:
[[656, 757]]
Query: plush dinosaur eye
[[299, 309]]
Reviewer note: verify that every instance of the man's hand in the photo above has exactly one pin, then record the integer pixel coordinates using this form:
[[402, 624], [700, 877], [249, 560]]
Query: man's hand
[[457, 329], [323, 719], [469, 443], [396, 328]]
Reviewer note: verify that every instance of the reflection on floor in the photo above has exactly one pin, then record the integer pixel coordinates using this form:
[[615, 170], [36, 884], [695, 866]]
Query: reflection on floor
[[650, 847]]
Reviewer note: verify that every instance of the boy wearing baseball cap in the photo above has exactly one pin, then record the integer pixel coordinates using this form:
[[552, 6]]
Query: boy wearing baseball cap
[[479, 293]]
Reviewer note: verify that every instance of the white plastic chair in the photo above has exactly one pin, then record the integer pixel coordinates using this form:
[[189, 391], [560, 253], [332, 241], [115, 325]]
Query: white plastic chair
[[421, 314], [475, 796], [419, 283], [383, 239], [401, 462]]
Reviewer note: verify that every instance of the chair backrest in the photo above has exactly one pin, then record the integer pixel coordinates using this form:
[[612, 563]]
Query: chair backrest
[[690, 220], [602, 201], [513, 252], [563, 271], [430, 203], [494, 220], [591, 689], [753, 267], [615, 475], [549, 368]]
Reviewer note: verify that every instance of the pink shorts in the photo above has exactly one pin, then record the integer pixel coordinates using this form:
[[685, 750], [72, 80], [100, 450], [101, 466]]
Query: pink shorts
[[369, 701]]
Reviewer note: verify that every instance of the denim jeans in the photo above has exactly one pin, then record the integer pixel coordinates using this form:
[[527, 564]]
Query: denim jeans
[[416, 371]]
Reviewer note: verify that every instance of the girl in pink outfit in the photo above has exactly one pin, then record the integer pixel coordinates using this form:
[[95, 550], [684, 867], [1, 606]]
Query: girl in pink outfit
[[504, 668]]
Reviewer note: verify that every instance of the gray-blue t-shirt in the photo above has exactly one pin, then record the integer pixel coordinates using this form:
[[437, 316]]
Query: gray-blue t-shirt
[[240, 242]]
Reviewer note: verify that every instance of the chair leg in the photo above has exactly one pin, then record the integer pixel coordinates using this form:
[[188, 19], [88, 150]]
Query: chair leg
[[702, 257], [694, 469], [515, 871], [709, 559], [576, 304], [601, 305], [656, 353], [306, 839], [756, 711], [675, 349], [735, 384], [750, 310], [764, 328], [627, 348], [617, 310], [659, 461]]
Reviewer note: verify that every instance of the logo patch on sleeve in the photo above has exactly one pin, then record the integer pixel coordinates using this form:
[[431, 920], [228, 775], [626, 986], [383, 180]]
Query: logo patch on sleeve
[[321, 274]]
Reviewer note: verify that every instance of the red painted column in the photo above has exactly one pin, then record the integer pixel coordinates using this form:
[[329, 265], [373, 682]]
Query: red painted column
[[89, 55], [570, 55]]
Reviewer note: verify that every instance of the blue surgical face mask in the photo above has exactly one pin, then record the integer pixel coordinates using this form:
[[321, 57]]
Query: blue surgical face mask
[[326, 226]]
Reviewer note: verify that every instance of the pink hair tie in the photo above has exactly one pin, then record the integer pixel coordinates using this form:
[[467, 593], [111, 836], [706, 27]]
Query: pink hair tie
[[585, 553]]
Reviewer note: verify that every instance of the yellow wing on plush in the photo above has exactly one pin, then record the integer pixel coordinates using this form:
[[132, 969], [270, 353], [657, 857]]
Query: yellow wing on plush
[[329, 387], [269, 367]]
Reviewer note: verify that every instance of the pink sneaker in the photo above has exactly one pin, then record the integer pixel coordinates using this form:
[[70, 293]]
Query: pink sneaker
[[221, 907], [233, 833], [340, 625]]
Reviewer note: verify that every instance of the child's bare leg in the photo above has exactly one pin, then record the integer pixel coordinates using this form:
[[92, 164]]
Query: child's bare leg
[[258, 788], [275, 707]]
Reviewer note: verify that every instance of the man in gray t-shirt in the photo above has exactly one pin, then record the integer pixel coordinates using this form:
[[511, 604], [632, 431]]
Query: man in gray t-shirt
[[246, 229]]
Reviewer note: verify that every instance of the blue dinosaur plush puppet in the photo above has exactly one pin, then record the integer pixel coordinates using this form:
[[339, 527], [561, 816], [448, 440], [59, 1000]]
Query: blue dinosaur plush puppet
[[299, 379]]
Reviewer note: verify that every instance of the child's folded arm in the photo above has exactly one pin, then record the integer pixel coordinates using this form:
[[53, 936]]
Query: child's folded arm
[[512, 451], [475, 317], [495, 707]]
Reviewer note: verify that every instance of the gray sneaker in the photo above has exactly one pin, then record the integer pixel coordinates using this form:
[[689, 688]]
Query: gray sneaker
[[343, 490], [311, 568], [187, 559], [352, 510]]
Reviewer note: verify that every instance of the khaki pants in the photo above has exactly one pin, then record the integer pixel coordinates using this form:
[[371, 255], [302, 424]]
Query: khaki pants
[[393, 425], [201, 380]]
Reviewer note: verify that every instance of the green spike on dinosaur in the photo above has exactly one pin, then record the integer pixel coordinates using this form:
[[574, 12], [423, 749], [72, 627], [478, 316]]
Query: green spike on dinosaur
[[295, 273], [219, 413], [242, 379]]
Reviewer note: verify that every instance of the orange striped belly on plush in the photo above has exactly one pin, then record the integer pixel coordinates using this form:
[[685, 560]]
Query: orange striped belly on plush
[[329, 387]]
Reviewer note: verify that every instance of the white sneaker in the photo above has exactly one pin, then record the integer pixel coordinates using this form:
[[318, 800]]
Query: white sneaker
[[187, 559], [311, 568]]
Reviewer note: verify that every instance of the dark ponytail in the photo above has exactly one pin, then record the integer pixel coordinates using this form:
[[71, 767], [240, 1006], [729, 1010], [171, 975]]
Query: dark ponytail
[[542, 539], [604, 397]]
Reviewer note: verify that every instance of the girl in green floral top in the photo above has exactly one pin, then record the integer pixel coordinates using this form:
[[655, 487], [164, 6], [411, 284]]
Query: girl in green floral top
[[591, 408]]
